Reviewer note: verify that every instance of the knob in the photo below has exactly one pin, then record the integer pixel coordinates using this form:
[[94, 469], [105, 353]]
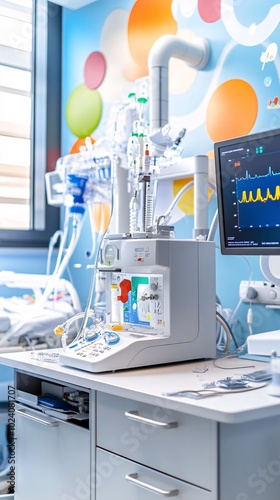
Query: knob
[[251, 293], [153, 286]]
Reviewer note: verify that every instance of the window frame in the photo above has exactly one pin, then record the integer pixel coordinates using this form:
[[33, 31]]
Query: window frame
[[45, 126]]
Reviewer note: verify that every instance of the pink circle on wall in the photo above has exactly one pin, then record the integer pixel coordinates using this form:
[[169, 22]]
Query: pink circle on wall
[[95, 69], [209, 10]]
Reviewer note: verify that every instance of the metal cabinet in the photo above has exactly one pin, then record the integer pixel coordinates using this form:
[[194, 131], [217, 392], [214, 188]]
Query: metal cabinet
[[153, 451], [130, 480], [130, 450], [52, 454]]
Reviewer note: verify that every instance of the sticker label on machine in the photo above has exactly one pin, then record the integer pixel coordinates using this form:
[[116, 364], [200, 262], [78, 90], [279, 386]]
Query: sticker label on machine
[[137, 299]]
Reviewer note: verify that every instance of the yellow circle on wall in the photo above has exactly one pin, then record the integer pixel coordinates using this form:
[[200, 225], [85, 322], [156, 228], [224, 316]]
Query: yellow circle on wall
[[186, 202]]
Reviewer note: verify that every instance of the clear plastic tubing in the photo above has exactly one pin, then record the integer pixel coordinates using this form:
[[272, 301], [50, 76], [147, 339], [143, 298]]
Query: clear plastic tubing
[[149, 205], [133, 214]]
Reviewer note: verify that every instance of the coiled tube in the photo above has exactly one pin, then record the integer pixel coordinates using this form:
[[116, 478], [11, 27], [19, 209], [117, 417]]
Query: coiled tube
[[149, 211], [150, 197], [133, 214]]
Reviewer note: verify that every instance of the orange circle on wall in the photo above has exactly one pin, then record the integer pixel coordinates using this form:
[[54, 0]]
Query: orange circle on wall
[[148, 20], [80, 142], [232, 110]]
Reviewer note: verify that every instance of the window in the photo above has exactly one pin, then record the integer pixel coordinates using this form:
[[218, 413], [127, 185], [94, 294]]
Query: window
[[30, 76]]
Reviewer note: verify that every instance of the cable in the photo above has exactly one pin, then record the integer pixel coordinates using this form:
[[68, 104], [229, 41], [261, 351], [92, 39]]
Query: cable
[[227, 328], [222, 337], [204, 393], [213, 227], [230, 355], [232, 318]]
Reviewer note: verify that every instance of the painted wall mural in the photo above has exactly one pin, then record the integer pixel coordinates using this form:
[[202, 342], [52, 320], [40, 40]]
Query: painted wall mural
[[106, 47], [241, 47], [235, 95]]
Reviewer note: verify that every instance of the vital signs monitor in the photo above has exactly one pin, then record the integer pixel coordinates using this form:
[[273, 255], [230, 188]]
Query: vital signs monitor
[[248, 191]]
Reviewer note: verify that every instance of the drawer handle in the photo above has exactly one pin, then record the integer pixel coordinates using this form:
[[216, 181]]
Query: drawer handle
[[133, 478], [37, 419], [162, 425]]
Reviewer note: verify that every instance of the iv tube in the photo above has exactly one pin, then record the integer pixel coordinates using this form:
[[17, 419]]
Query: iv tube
[[88, 310], [53, 240], [62, 244], [87, 314], [60, 267], [74, 201]]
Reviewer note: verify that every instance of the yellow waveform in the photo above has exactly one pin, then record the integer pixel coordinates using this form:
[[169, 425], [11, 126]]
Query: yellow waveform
[[249, 198]]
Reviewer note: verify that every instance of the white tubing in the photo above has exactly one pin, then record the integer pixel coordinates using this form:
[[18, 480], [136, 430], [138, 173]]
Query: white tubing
[[64, 263], [167, 213], [57, 235], [213, 227], [195, 53], [63, 240], [73, 294]]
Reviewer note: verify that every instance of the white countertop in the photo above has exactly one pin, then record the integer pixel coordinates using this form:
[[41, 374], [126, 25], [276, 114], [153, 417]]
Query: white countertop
[[148, 385]]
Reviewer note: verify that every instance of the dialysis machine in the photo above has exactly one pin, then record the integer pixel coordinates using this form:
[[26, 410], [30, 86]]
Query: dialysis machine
[[160, 304], [160, 296]]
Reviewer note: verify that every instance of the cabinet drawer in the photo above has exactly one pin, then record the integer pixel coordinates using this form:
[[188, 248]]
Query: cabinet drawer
[[52, 458], [118, 479], [181, 445]]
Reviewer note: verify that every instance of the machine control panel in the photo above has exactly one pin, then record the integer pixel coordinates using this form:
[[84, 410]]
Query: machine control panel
[[141, 254], [107, 351], [137, 299]]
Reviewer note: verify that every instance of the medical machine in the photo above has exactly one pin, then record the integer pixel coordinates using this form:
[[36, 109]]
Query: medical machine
[[159, 291], [160, 300], [160, 305], [248, 191]]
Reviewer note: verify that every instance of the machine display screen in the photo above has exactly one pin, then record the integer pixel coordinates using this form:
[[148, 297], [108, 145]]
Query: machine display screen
[[248, 191]]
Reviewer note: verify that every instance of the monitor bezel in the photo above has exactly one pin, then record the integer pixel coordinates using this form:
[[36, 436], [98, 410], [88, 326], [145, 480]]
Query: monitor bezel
[[238, 250]]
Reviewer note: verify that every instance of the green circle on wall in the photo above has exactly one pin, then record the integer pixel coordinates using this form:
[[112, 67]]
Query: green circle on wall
[[83, 111]]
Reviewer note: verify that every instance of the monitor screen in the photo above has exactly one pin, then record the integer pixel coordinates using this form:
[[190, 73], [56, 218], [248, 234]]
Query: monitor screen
[[248, 192]]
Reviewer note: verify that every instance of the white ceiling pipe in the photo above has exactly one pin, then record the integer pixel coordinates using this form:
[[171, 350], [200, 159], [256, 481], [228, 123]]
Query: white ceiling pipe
[[195, 53]]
